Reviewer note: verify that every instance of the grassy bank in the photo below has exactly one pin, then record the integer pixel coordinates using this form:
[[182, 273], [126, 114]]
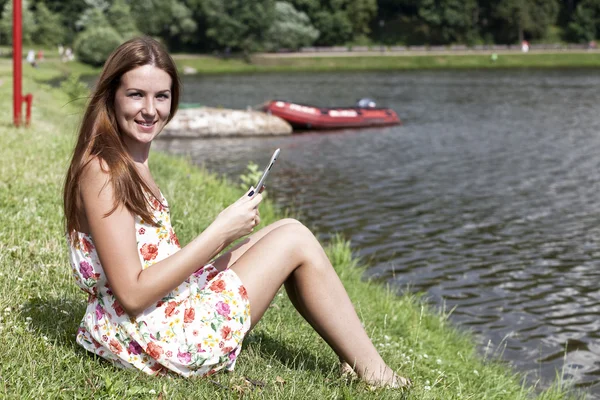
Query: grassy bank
[[202, 64], [207, 65], [40, 306]]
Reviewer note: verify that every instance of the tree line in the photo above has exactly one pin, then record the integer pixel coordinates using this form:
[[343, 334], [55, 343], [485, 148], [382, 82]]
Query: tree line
[[258, 25]]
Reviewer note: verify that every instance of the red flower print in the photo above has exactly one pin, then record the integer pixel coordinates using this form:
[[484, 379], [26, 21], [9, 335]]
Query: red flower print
[[227, 350], [173, 237], [156, 367], [218, 286], [170, 310], [223, 308], [141, 231], [115, 346], [211, 275], [226, 332], [243, 293], [189, 315], [169, 354], [118, 309], [149, 251], [154, 350], [87, 245]]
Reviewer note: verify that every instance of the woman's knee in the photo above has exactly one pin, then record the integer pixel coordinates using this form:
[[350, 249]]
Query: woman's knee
[[298, 239], [285, 221]]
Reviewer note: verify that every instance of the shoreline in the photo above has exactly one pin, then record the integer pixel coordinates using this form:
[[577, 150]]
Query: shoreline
[[201, 64]]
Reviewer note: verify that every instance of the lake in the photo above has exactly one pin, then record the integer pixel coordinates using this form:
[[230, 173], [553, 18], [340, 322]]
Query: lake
[[486, 198]]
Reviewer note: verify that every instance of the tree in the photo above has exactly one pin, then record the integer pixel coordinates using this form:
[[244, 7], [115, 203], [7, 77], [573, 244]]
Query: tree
[[28, 23], [69, 12], [94, 45], [50, 30], [119, 17], [339, 21], [94, 16], [170, 20], [518, 17], [585, 24], [335, 27], [239, 24], [449, 20], [291, 29], [361, 13]]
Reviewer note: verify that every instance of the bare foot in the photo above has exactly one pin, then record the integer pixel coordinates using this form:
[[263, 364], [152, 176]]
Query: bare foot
[[346, 370], [389, 379]]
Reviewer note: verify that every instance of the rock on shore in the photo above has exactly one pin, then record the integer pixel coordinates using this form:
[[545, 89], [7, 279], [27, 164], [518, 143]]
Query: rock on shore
[[221, 122]]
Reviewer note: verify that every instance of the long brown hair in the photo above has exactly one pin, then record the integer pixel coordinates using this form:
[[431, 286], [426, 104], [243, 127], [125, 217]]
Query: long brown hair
[[100, 136]]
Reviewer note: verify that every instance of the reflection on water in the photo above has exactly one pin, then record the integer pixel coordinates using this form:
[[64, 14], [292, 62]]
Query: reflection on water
[[486, 198]]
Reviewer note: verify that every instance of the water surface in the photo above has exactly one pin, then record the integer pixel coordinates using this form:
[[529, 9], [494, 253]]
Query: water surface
[[486, 198]]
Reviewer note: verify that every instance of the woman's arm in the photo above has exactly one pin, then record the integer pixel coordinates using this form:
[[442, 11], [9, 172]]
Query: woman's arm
[[115, 241]]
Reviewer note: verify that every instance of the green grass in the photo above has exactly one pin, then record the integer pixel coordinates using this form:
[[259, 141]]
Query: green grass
[[208, 65], [40, 305], [52, 68]]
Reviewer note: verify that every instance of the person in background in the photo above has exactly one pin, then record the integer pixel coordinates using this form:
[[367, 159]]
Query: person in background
[[31, 58], [166, 309]]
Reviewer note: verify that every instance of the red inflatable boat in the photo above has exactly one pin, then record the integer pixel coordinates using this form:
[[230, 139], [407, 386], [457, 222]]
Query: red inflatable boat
[[309, 117]]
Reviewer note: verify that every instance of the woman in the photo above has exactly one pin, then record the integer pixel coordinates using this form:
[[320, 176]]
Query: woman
[[158, 307]]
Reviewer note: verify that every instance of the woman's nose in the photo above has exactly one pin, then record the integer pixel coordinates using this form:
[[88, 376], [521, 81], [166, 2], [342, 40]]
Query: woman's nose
[[149, 108]]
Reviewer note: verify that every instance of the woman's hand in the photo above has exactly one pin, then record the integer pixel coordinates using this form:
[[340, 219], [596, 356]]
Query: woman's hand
[[240, 218]]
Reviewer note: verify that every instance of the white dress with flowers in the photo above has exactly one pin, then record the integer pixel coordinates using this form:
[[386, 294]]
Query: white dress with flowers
[[197, 329]]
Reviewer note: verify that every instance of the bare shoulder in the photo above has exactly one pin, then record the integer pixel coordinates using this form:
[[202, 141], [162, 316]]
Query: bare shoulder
[[95, 175], [95, 184]]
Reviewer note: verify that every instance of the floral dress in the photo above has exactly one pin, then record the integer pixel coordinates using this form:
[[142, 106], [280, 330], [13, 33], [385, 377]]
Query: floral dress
[[197, 329]]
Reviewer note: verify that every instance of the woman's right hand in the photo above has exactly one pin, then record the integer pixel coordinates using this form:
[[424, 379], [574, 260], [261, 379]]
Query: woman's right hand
[[240, 218]]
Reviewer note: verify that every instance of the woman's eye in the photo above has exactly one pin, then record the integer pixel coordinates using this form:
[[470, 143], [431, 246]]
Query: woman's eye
[[135, 95], [163, 96]]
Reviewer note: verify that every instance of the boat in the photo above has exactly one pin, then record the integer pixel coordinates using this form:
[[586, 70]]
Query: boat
[[302, 116]]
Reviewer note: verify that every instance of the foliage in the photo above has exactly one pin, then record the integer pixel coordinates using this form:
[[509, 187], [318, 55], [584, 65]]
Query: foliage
[[291, 29], [49, 27], [360, 14], [520, 19], [94, 45], [94, 16], [248, 26], [239, 24], [585, 24], [169, 19], [28, 25], [251, 176], [74, 88], [119, 17], [449, 20]]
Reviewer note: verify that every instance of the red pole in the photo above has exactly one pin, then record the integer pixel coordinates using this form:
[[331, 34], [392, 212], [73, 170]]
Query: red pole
[[17, 63]]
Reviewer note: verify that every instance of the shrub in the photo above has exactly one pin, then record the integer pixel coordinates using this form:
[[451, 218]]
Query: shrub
[[74, 88], [94, 45]]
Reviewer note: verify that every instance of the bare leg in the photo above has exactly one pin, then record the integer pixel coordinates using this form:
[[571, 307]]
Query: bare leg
[[228, 258], [292, 251]]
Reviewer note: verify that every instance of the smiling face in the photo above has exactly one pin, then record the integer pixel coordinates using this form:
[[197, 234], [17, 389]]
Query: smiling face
[[143, 104]]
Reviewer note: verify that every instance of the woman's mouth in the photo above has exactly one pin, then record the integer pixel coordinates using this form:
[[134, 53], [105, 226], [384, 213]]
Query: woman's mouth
[[145, 124]]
